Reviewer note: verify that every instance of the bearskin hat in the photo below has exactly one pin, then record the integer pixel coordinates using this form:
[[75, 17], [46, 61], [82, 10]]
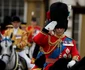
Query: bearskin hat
[[59, 12], [15, 18]]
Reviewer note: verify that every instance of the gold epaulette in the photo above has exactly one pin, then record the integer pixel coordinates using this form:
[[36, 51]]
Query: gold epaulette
[[55, 44]]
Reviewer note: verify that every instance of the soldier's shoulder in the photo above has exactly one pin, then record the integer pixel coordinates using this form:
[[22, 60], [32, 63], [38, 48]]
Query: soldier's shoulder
[[8, 29], [23, 31]]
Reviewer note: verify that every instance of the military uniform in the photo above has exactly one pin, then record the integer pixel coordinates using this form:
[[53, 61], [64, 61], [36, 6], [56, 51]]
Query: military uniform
[[20, 38], [54, 44], [55, 48], [32, 31]]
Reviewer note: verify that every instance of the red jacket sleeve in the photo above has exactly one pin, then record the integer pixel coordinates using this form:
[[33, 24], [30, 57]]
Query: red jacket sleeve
[[75, 53], [41, 39]]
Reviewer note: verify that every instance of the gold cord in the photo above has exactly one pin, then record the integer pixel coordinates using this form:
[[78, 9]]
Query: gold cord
[[55, 44]]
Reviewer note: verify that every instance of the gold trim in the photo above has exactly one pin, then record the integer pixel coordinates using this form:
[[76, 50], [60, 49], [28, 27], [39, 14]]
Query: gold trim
[[55, 44], [38, 69], [60, 36], [57, 41]]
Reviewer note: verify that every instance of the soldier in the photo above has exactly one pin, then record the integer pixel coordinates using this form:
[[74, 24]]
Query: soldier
[[32, 30], [54, 43], [20, 39]]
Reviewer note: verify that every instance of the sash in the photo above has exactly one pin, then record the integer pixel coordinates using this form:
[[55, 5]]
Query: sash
[[57, 51]]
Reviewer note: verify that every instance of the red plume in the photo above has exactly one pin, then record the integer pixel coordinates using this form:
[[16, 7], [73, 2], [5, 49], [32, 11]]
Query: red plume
[[48, 15]]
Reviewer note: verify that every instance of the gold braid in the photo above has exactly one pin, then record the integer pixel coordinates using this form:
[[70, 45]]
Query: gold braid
[[55, 44]]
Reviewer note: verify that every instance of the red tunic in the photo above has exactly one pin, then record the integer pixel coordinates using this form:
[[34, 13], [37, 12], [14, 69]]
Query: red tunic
[[2, 32], [49, 43], [31, 30]]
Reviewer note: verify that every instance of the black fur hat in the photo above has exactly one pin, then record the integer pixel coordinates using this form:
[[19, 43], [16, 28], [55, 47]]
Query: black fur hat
[[59, 12], [15, 18]]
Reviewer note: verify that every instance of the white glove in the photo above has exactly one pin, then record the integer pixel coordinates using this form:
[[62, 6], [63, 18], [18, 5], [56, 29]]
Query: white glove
[[71, 63], [51, 25]]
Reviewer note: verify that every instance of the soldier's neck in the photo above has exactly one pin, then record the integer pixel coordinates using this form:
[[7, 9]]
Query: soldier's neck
[[60, 36]]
